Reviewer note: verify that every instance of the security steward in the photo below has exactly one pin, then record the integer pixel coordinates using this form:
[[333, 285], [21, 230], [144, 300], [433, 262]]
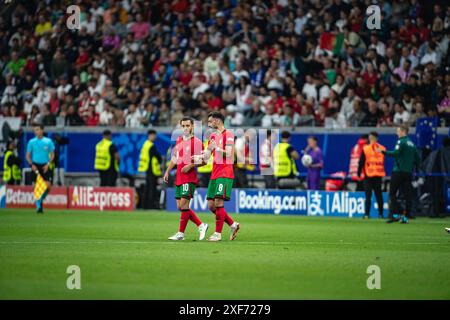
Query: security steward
[[284, 156], [406, 158], [12, 174], [371, 163], [107, 160], [150, 162], [205, 171]]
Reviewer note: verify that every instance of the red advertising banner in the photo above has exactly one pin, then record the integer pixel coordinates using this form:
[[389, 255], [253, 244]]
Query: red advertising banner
[[23, 197], [101, 198]]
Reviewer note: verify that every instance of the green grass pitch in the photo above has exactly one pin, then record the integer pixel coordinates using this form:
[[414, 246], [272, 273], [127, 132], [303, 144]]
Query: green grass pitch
[[125, 255]]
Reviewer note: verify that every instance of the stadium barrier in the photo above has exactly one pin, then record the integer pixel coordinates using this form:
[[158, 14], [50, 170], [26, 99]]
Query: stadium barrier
[[72, 197], [312, 203], [285, 202]]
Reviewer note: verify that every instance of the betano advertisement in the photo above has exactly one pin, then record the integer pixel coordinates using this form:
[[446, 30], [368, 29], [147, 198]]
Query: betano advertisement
[[83, 198], [23, 197], [313, 203]]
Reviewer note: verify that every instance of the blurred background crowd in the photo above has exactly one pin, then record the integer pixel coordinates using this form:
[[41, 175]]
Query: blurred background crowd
[[275, 63]]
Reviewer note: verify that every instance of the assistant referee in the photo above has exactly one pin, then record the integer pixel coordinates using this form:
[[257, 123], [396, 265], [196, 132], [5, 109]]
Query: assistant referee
[[40, 153], [406, 158]]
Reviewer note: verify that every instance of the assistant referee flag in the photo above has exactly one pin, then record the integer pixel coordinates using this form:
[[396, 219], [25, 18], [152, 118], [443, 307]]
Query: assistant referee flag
[[39, 187]]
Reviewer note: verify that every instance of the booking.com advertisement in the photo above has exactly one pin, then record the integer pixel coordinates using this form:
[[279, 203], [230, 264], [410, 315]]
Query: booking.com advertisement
[[313, 203]]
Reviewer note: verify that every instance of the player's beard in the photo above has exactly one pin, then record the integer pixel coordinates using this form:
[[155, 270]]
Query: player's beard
[[187, 134], [208, 132]]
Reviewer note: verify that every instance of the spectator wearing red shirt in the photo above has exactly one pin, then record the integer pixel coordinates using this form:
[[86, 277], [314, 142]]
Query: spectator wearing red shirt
[[370, 76], [214, 102], [92, 117]]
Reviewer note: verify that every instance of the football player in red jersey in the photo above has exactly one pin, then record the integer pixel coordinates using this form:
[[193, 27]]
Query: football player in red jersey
[[186, 178], [221, 146]]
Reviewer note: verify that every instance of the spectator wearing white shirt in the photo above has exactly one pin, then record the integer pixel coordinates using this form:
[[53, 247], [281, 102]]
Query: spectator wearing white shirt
[[335, 120], [401, 116], [271, 119], [324, 89], [234, 118], [106, 115], [133, 118], [244, 94], [64, 87], [430, 55], [339, 85], [378, 45], [309, 88], [347, 103], [211, 65]]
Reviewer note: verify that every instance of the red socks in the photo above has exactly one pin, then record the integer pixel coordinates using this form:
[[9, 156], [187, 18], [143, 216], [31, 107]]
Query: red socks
[[221, 217], [184, 219], [187, 215], [193, 217]]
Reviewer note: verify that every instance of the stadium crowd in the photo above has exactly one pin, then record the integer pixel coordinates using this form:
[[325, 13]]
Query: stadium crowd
[[276, 63]]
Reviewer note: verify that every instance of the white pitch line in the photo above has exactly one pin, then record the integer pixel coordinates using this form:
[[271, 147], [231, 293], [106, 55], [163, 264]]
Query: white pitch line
[[238, 242]]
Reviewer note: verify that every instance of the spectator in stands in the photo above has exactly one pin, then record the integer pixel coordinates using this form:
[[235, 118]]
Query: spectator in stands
[[335, 120], [372, 116], [128, 54], [419, 113], [254, 116], [444, 107], [73, 118], [270, 119], [358, 114], [401, 115], [48, 118], [234, 118]]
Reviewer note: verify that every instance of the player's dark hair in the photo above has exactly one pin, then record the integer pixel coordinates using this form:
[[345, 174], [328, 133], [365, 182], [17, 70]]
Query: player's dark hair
[[374, 134], [313, 138], [106, 133], [191, 120], [151, 131], [217, 115], [38, 125], [285, 135]]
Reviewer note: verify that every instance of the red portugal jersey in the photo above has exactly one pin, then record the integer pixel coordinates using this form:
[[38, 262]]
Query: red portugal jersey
[[184, 150], [222, 167]]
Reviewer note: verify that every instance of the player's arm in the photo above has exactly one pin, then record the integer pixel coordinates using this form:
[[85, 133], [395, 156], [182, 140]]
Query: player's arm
[[172, 164], [28, 158], [229, 145], [394, 153], [319, 164]]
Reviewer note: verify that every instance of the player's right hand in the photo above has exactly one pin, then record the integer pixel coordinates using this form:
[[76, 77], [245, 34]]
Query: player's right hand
[[34, 168], [166, 177]]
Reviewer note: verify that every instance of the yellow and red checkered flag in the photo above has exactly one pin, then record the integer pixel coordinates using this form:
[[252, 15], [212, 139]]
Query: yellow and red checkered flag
[[39, 187]]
